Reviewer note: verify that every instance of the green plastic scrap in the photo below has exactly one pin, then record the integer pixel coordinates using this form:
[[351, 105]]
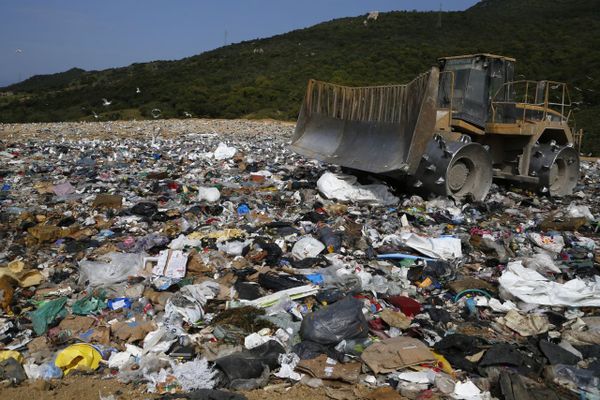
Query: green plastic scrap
[[184, 282], [47, 313], [406, 262], [89, 305]]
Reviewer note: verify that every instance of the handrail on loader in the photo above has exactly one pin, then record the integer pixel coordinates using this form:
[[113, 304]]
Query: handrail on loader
[[531, 95]]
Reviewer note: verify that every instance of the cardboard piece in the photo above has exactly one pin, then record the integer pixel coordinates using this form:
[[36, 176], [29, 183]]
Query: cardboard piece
[[324, 367], [169, 263], [393, 354]]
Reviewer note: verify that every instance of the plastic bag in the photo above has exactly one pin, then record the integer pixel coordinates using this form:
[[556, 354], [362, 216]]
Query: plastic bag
[[186, 305], [89, 305], [45, 371], [210, 194], [541, 262], [307, 247], [331, 238], [250, 364], [224, 152], [233, 248], [579, 211], [582, 381], [158, 341], [346, 188], [113, 268], [341, 320], [78, 356], [47, 313]]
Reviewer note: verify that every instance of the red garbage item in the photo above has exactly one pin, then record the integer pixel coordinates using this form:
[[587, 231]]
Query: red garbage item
[[408, 306], [377, 324]]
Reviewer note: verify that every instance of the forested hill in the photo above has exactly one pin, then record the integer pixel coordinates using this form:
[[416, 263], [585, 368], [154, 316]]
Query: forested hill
[[551, 39]]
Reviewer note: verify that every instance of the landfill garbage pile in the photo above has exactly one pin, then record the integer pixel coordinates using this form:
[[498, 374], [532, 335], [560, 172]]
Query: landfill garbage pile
[[203, 258]]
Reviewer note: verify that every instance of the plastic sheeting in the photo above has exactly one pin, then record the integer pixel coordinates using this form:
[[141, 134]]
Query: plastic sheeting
[[346, 188], [444, 247], [531, 287]]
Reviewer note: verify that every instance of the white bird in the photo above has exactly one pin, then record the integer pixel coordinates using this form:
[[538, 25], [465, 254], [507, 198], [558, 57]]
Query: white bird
[[106, 103], [95, 115], [589, 77], [576, 88], [18, 51], [137, 90], [555, 86], [187, 114]]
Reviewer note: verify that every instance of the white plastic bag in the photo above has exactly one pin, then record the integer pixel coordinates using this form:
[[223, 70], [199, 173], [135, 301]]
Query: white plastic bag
[[224, 152], [210, 194], [186, 305], [111, 268], [346, 188], [580, 211], [307, 247]]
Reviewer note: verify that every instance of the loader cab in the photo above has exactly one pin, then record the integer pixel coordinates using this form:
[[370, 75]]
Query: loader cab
[[468, 84]]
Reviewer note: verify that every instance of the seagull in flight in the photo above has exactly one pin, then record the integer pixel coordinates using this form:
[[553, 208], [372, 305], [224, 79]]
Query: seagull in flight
[[137, 90], [106, 103], [18, 51], [95, 115]]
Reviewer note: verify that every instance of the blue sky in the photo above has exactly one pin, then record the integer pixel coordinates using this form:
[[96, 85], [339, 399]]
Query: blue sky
[[48, 36]]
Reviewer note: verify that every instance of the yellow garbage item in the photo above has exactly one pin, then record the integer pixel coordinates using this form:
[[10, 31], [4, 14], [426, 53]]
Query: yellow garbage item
[[6, 354], [444, 364], [79, 356], [426, 283]]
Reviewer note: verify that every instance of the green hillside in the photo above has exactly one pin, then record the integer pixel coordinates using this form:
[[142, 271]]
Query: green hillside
[[558, 40]]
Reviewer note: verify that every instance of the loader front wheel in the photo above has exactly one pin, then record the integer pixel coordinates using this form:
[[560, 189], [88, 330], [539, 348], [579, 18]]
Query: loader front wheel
[[458, 169], [458, 174], [556, 167]]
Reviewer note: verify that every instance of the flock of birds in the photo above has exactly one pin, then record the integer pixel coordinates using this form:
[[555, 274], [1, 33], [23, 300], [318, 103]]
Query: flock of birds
[[156, 113]]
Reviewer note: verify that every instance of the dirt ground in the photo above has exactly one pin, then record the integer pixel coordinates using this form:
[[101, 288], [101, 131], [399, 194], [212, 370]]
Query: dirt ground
[[74, 388], [87, 387]]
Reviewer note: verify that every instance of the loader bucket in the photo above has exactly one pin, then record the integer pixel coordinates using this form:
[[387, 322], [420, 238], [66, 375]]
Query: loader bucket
[[379, 129]]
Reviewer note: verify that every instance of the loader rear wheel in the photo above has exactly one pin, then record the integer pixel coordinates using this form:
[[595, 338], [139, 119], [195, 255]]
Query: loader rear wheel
[[455, 168], [556, 167]]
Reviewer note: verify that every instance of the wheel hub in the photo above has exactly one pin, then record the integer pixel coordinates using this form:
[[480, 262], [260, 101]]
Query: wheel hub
[[457, 175]]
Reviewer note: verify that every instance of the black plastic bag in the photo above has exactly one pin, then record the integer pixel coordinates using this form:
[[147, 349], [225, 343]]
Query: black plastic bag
[[144, 209], [308, 350], [251, 363], [341, 320], [206, 394], [275, 282]]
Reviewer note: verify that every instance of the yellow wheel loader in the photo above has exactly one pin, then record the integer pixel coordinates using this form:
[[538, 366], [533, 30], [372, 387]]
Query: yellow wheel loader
[[448, 132]]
